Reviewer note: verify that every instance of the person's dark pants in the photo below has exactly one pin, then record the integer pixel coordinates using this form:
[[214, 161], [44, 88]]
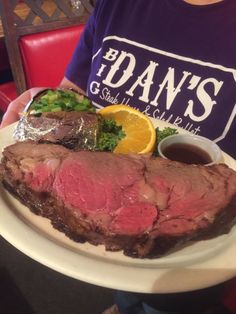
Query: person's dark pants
[[194, 302]]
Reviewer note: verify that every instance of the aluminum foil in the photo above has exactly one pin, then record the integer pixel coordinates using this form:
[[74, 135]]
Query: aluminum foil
[[75, 130], [72, 129]]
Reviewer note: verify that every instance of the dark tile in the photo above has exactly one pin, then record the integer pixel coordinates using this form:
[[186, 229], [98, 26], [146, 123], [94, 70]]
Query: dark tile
[[12, 301], [44, 291]]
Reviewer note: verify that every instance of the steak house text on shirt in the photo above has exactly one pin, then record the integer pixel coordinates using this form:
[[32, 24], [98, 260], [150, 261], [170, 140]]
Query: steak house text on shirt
[[119, 67]]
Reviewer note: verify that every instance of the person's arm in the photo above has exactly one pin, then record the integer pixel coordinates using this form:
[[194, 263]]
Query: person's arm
[[76, 75], [79, 68], [17, 106], [65, 83]]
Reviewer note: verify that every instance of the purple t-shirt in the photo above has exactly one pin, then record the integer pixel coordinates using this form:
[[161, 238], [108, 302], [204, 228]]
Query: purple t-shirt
[[172, 60]]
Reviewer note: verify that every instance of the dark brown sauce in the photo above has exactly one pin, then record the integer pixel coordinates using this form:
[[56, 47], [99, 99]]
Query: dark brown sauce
[[187, 153]]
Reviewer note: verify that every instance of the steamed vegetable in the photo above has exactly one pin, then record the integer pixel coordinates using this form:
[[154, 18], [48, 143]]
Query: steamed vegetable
[[160, 134], [110, 135], [167, 131], [60, 100]]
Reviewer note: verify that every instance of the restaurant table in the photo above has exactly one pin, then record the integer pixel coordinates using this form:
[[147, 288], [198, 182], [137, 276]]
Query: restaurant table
[[28, 287]]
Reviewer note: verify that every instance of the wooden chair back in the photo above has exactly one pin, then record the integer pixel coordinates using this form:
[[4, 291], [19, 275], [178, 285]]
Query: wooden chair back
[[20, 18]]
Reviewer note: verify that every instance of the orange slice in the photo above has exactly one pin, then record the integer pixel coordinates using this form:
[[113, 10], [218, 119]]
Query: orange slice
[[140, 132]]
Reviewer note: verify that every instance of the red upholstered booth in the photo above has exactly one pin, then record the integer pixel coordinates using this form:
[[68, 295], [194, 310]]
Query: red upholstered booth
[[44, 57]]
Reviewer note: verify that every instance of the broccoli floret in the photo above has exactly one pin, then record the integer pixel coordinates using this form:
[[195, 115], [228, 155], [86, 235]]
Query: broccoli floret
[[167, 131], [160, 134], [110, 135]]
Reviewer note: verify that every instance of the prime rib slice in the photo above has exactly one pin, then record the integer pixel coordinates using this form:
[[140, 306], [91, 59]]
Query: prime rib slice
[[142, 205]]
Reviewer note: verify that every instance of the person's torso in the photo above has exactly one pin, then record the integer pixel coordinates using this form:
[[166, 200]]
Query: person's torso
[[172, 61]]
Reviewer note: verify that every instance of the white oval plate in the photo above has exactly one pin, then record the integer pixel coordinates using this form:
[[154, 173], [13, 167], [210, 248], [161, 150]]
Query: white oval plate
[[196, 266]]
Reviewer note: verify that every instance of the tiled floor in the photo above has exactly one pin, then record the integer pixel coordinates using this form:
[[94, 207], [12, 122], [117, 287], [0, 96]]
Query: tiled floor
[[27, 287]]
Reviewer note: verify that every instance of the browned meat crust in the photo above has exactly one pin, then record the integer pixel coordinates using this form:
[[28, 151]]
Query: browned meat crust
[[151, 243]]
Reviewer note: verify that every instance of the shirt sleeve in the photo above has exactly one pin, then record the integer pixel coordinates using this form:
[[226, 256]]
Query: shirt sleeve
[[78, 69]]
